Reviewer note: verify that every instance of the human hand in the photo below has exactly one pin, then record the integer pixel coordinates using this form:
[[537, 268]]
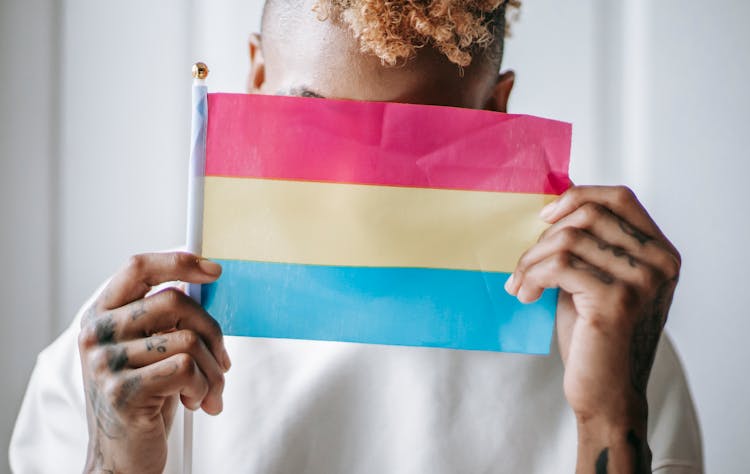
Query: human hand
[[617, 273], [141, 354]]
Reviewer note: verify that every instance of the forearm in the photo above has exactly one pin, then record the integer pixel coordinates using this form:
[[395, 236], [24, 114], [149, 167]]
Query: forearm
[[613, 448]]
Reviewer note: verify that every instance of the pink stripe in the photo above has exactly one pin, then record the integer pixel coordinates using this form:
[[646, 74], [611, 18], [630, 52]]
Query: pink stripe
[[385, 144]]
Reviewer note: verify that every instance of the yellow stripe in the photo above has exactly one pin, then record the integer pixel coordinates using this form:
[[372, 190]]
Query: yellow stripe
[[369, 226]]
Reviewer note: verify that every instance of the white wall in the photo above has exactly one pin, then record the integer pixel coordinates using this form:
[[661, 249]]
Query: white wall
[[28, 130], [699, 166], [124, 128], [94, 141]]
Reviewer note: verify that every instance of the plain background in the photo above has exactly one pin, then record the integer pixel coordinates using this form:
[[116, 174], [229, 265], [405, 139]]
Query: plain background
[[94, 131]]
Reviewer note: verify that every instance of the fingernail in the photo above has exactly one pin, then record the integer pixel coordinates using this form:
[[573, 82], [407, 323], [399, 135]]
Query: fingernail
[[209, 267], [548, 210], [509, 284]]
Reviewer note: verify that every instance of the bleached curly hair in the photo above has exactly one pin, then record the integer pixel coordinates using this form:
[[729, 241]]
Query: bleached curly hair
[[394, 30]]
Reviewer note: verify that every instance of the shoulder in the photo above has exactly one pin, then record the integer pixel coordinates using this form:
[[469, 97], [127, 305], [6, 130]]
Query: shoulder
[[674, 430]]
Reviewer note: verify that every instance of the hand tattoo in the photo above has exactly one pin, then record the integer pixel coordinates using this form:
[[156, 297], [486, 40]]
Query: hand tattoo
[[99, 461], [107, 421], [645, 338]]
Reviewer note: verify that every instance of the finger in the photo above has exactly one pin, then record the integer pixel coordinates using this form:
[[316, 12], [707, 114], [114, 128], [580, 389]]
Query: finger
[[178, 374], [607, 227], [143, 352], [613, 259], [166, 311], [599, 299], [564, 322], [619, 199], [144, 271], [562, 270]]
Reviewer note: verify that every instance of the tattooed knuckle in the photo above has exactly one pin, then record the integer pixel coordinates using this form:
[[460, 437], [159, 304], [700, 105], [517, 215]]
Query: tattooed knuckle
[[104, 328], [117, 357]]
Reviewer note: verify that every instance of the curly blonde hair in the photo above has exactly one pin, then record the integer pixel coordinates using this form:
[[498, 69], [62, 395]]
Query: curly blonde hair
[[394, 30]]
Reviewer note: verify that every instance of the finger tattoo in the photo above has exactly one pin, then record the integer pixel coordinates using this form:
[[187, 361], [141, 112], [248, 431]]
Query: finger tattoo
[[618, 252], [635, 233], [158, 343], [138, 311], [167, 372]]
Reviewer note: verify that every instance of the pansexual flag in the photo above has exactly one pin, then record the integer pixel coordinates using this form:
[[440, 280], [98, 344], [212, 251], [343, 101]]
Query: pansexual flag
[[377, 222]]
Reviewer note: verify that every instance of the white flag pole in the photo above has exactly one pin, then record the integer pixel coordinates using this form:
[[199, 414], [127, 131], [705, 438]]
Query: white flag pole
[[196, 173]]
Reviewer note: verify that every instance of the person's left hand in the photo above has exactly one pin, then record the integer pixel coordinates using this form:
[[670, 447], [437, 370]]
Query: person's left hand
[[617, 273]]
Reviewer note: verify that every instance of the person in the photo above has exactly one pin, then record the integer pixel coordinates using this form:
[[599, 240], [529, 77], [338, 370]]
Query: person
[[294, 406]]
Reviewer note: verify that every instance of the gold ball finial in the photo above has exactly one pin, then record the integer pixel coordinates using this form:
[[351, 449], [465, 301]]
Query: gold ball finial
[[200, 71]]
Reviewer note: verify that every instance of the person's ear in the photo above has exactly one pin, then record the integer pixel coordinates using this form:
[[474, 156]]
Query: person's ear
[[257, 75], [498, 100]]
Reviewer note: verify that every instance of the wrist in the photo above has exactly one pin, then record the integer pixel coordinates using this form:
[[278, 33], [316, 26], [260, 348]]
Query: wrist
[[628, 411], [96, 460], [105, 455], [617, 440]]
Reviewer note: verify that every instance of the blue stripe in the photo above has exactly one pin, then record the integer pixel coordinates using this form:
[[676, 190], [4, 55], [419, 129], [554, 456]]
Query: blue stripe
[[455, 309]]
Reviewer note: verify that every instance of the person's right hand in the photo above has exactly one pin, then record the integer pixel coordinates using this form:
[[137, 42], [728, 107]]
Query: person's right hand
[[140, 353]]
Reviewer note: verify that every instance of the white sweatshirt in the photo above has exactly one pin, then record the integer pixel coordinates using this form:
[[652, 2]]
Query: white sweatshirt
[[294, 407]]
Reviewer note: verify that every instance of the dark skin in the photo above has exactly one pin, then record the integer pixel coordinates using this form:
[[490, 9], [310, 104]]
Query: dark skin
[[617, 273]]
